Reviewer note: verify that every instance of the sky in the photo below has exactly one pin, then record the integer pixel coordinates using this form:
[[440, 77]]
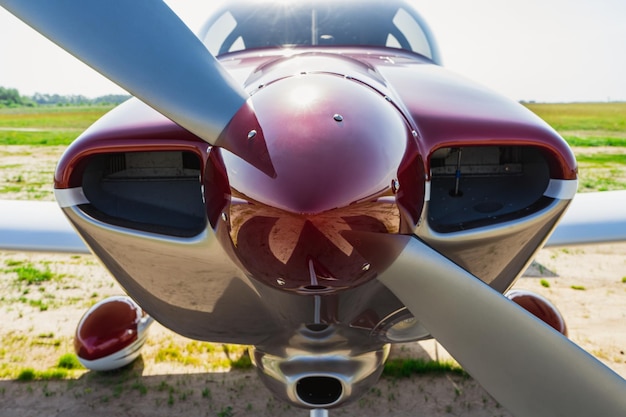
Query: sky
[[532, 50]]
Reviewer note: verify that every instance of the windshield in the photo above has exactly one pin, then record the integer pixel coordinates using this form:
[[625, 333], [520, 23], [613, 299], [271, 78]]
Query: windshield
[[255, 24]]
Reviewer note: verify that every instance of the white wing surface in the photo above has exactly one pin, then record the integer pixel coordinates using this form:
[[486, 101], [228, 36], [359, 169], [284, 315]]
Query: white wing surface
[[592, 218], [37, 226]]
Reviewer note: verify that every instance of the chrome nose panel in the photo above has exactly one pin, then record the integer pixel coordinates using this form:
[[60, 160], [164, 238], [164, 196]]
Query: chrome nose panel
[[321, 376]]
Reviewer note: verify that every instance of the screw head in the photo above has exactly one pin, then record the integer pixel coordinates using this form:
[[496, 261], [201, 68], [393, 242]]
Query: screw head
[[395, 186], [338, 117], [251, 134]]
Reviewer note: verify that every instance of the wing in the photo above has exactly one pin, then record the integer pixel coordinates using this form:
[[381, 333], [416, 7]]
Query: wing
[[37, 226], [592, 218], [41, 226]]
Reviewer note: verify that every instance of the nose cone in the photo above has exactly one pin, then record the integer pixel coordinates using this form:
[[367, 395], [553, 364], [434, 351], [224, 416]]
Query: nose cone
[[339, 151], [332, 142]]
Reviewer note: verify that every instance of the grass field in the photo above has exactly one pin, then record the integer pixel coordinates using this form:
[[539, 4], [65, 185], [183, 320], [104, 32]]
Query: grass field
[[596, 131], [586, 124], [597, 134], [49, 126]]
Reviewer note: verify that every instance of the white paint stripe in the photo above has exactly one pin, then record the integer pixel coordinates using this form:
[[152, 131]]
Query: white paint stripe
[[70, 197], [561, 189], [427, 191]]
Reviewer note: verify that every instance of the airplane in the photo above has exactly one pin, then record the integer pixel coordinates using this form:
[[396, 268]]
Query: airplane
[[306, 178]]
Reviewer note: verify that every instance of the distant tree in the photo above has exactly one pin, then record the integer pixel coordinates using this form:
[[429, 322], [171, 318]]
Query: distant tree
[[77, 100], [111, 99], [10, 97]]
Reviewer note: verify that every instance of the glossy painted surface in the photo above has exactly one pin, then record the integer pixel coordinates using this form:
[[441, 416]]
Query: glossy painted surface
[[339, 157], [539, 307], [340, 151], [107, 328], [333, 142]]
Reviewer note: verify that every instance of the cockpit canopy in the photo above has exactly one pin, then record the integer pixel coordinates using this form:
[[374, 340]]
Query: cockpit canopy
[[257, 24]]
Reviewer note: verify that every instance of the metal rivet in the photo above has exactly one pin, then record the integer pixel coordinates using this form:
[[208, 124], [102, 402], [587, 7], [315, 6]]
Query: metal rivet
[[251, 134], [281, 282], [414, 133], [395, 185], [338, 118], [366, 267], [225, 217]]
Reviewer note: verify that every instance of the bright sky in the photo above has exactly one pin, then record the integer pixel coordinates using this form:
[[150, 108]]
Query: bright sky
[[542, 50]]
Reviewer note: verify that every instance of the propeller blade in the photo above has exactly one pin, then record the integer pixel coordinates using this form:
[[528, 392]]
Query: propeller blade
[[528, 367], [145, 48]]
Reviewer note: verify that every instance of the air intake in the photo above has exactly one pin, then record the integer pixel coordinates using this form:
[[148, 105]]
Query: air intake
[[319, 390]]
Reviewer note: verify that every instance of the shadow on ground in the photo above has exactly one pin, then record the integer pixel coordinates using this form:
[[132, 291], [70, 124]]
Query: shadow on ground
[[128, 392]]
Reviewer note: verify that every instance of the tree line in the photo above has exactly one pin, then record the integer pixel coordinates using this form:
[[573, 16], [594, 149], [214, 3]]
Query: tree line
[[11, 97]]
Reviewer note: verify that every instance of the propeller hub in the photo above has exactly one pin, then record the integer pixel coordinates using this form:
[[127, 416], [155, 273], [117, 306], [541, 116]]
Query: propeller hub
[[343, 159]]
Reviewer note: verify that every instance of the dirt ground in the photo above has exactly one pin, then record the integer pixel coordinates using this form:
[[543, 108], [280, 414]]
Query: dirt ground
[[38, 321]]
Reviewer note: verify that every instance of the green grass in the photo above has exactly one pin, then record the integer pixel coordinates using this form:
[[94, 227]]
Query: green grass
[[26, 375], [69, 361], [30, 374], [71, 118], [174, 354], [601, 171], [48, 126], [584, 117], [591, 125], [591, 141], [226, 412], [586, 126], [243, 362], [30, 275], [602, 159], [43, 137], [404, 368]]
